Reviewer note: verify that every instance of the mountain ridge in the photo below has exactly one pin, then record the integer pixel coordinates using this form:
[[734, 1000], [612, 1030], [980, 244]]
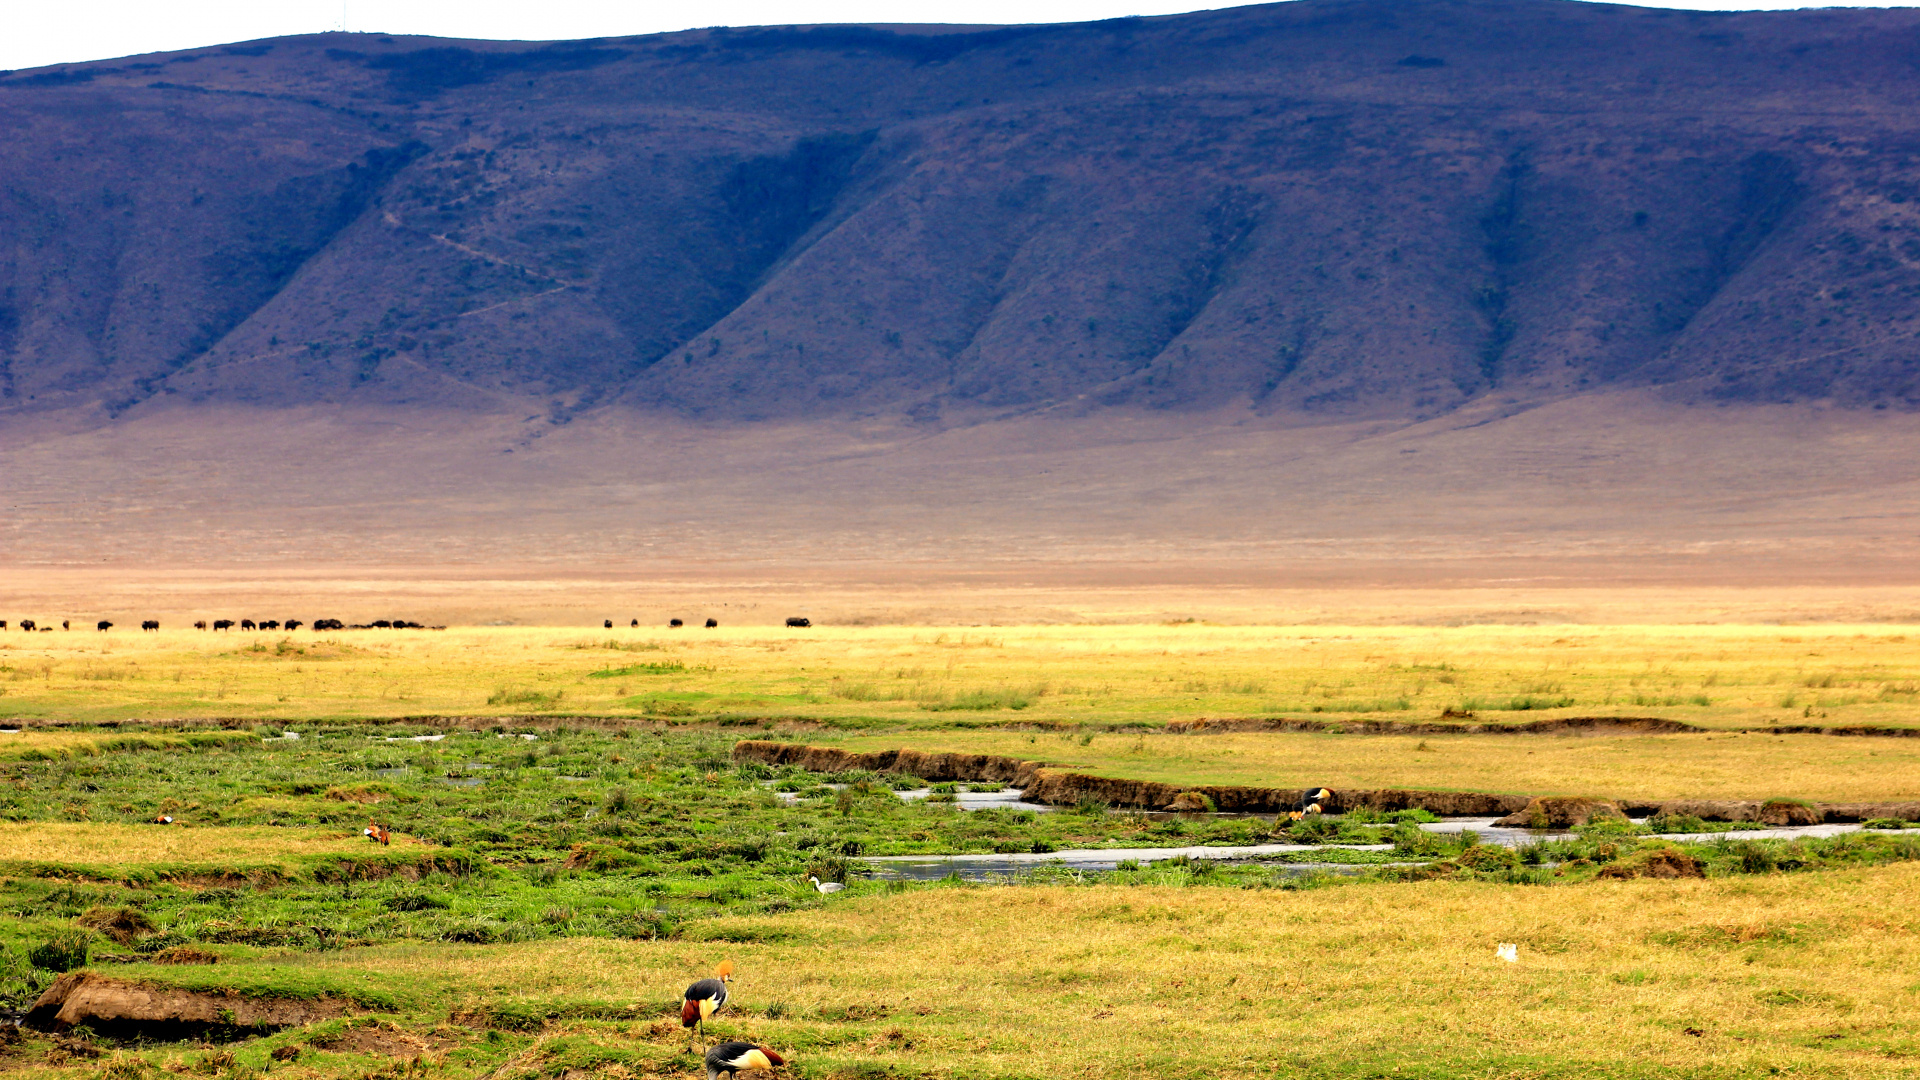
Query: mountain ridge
[[1331, 209]]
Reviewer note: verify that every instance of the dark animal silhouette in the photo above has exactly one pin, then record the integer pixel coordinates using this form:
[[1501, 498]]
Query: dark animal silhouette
[[635, 622], [64, 626], [200, 625], [608, 624], [733, 1058], [27, 624], [711, 623], [3, 624], [292, 624], [797, 621], [150, 624], [246, 624], [223, 624], [1312, 801], [675, 622], [328, 624], [382, 624], [269, 624], [103, 625]]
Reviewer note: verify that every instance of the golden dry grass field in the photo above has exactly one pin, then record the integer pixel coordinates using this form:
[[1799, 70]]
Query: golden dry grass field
[[55, 744], [104, 844], [1726, 765], [1801, 976], [1710, 675]]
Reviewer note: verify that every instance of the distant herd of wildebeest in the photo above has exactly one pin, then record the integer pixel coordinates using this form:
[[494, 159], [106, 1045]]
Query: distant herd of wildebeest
[[31, 625]]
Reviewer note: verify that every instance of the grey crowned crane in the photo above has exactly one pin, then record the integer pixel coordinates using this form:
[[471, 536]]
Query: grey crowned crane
[[735, 1057], [703, 999], [827, 888], [1312, 801]]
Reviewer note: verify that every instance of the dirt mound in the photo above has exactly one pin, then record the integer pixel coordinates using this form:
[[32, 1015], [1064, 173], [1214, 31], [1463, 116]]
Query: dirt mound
[[116, 1007], [1656, 863], [1444, 803], [1904, 811], [1789, 812], [1561, 813], [1704, 809]]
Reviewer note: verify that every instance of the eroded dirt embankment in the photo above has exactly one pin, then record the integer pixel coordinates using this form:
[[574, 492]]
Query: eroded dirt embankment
[[1563, 725], [1054, 786], [1059, 787], [1559, 725], [928, 766], [114, 1006]]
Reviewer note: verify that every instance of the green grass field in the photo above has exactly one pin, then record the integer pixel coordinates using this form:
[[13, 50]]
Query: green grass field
[[1731, 978], [546, 899]]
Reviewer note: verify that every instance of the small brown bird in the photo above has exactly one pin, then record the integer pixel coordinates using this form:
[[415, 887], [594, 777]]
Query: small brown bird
[[703, 999], [732, 1058]]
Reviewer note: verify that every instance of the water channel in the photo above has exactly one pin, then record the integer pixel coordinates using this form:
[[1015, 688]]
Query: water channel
[[992, 866]]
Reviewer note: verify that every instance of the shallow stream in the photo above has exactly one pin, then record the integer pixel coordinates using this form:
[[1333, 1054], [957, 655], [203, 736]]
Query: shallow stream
[[988, 867]]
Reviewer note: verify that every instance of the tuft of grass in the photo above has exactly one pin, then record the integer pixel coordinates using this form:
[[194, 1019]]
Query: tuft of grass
[[60, 953], [988, 699], [533, 699], [663, 667], [1372, 706], [1517, 703]]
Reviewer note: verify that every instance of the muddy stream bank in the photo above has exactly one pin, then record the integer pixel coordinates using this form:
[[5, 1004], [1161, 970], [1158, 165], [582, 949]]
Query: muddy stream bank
[[1045, 784]]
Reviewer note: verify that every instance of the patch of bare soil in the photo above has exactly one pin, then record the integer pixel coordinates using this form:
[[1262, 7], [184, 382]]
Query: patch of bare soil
[[1561, 813], [383, 1040], [116, 1007], [184, 954]]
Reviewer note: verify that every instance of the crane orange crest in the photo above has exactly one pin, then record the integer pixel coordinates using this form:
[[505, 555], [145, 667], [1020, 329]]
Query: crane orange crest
[[725, 970]]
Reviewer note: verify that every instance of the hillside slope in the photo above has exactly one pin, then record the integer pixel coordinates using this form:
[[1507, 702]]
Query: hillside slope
[[1342, 208]]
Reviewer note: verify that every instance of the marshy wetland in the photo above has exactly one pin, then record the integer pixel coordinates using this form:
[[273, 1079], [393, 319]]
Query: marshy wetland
[[566, 858]]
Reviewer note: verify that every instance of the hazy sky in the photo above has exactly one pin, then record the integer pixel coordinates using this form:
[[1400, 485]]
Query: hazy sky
[[40, 33]]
